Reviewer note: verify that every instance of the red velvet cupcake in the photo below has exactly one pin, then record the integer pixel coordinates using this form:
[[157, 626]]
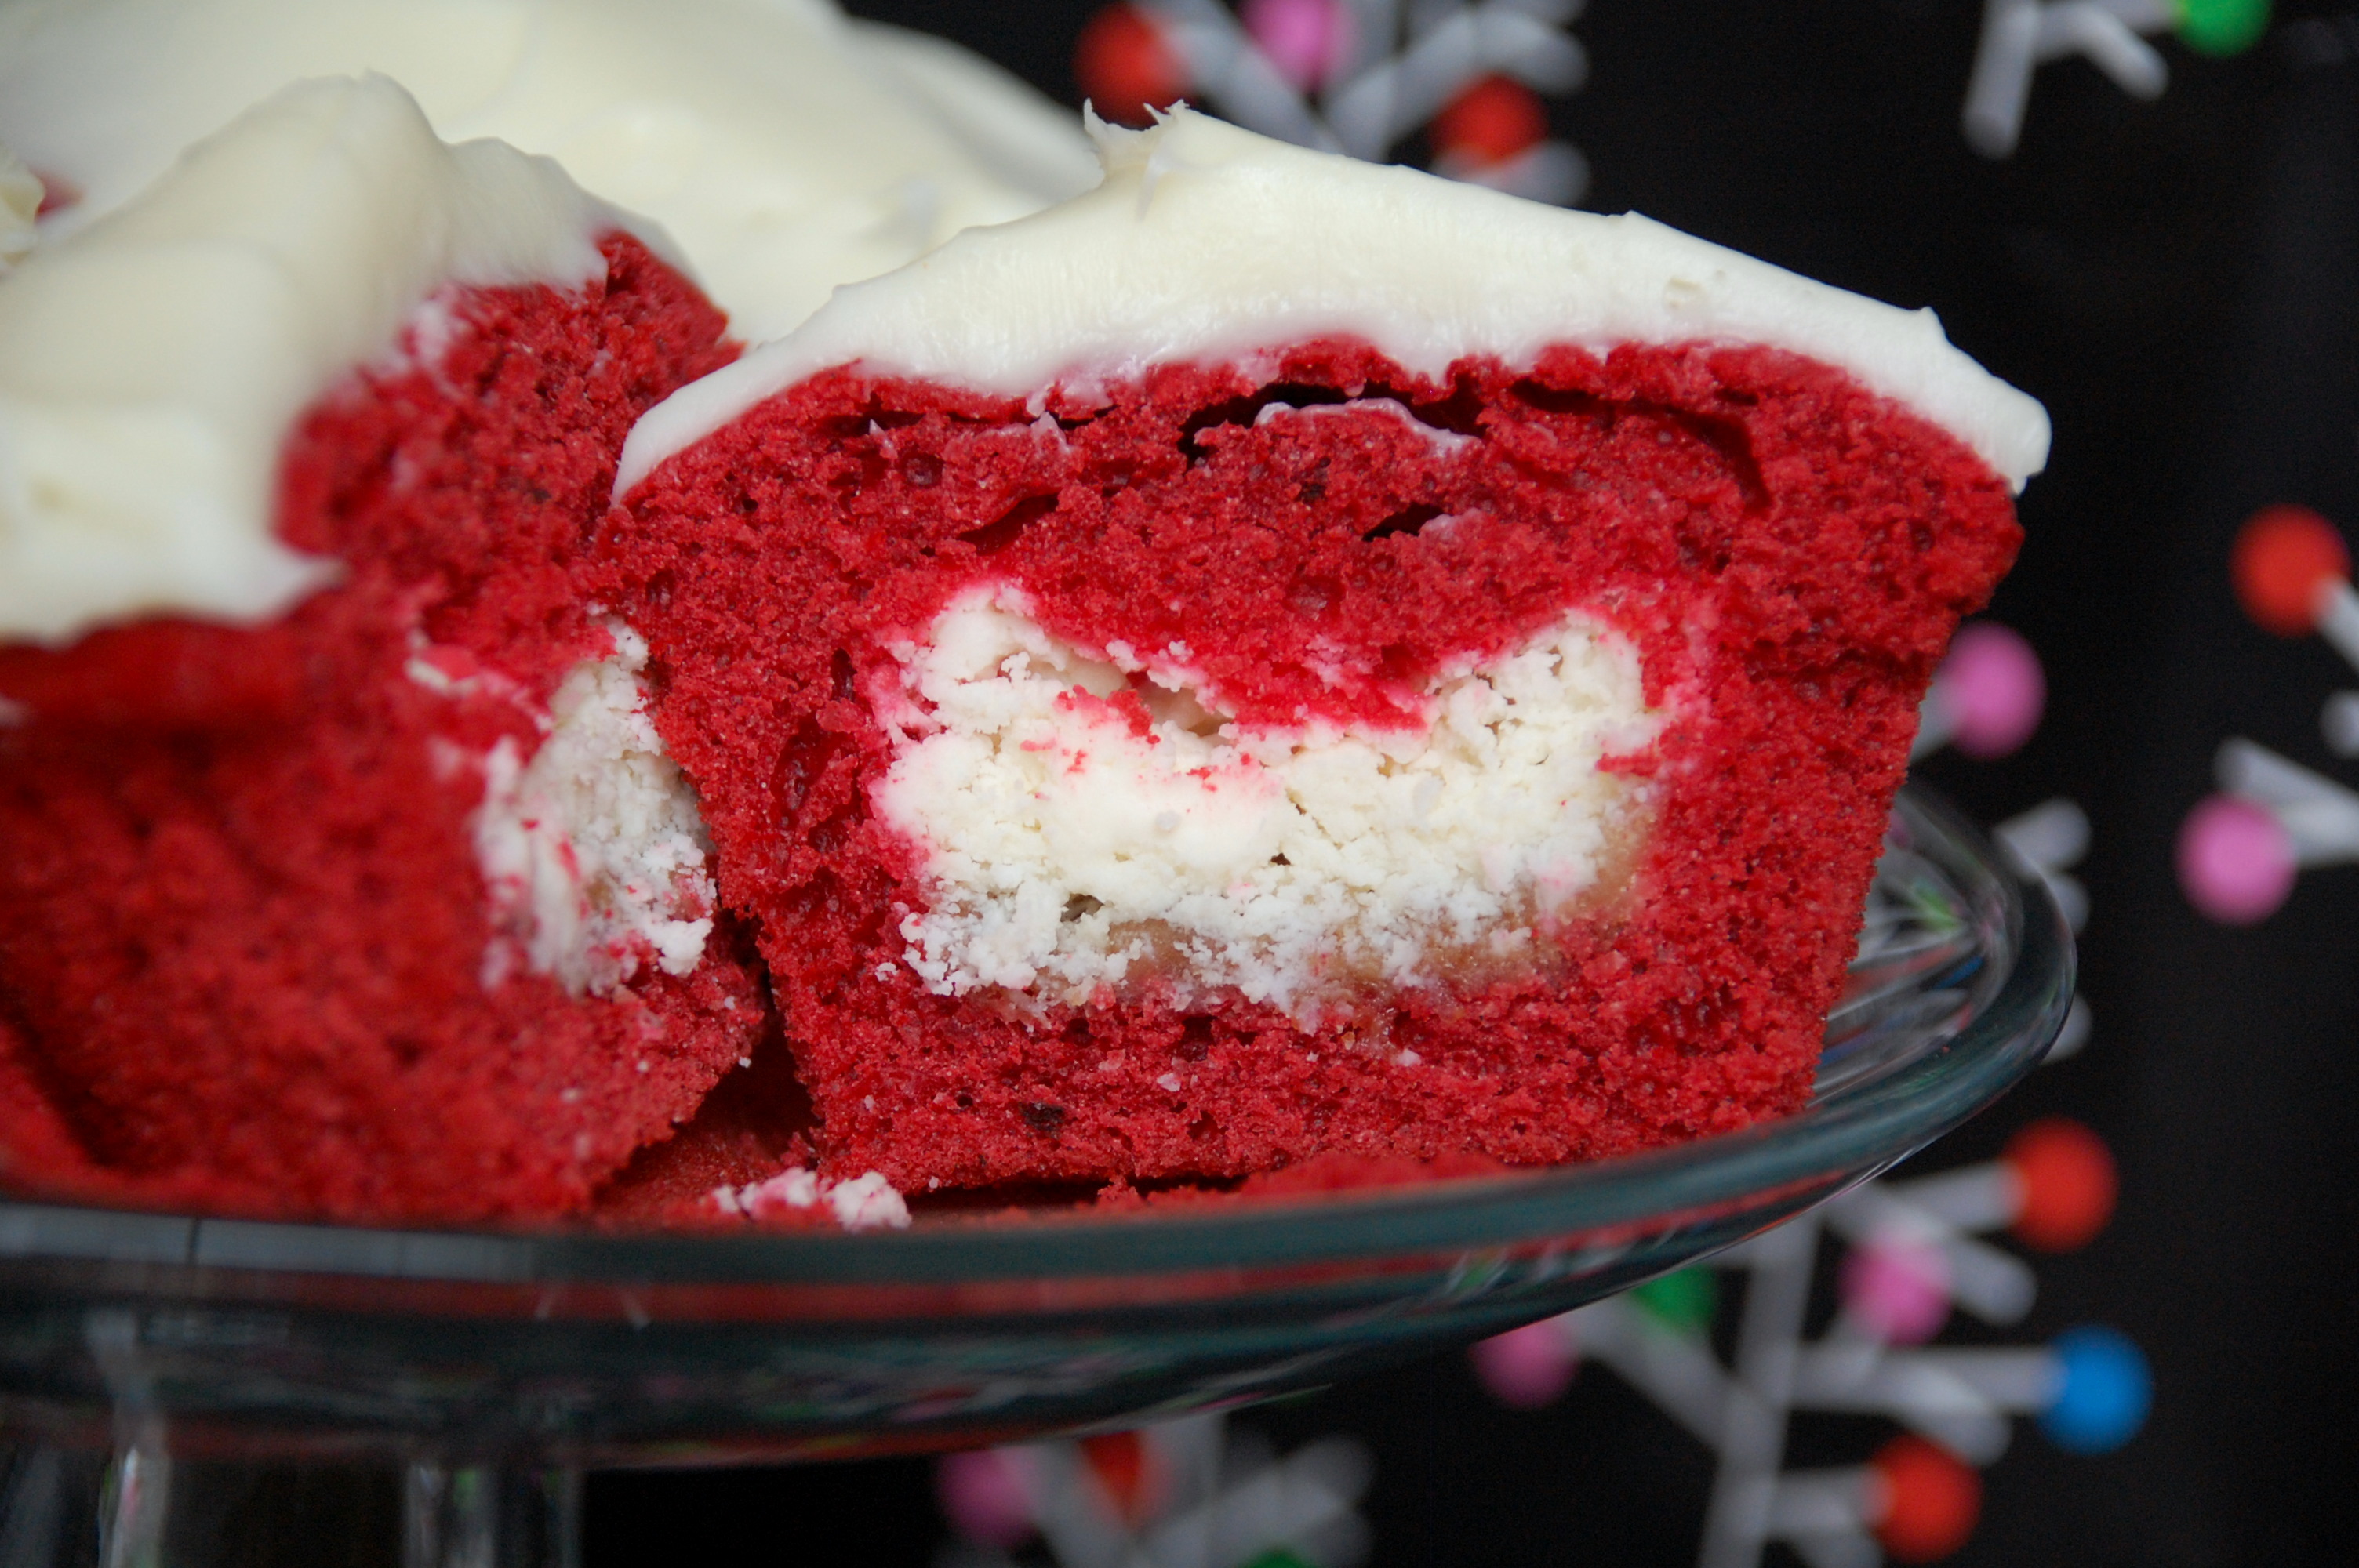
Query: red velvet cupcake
[[1281, 658], [344, 873]]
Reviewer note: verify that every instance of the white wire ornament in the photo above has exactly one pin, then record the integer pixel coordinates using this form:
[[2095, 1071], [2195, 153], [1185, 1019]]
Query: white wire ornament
[[1197, 1492], [2018, 36], [1361, 77]]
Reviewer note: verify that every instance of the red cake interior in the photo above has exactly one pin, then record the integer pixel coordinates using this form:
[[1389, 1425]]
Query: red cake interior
[[1787, 552], [242, 922], [752, 1125]]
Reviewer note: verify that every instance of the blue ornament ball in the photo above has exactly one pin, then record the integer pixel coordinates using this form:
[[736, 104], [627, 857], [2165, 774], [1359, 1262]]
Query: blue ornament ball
[[2104, 1394]]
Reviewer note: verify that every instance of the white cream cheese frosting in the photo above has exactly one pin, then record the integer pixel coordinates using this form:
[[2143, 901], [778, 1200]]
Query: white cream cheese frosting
[[784, 151], [1072, 844], [1033, 143], [20, 204], [1205, 242], [151, 364]]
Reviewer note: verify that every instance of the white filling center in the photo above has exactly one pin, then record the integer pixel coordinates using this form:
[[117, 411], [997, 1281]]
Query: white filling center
[[594, 853], [1067, 850]]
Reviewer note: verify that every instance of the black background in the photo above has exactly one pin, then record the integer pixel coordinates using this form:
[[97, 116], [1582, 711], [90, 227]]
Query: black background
[[2177, 281]]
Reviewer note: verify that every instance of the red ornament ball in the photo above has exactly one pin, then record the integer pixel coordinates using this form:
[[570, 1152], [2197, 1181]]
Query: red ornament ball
[[2283, 560], [1931, 1499], [1126, 1469], [1490, 121], [2068, 1183], [1126, 67]]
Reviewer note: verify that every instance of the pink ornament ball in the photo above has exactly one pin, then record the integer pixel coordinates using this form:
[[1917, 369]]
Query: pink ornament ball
[[1527, 1367], [1993, 688], [1308, 41], [984, 1496], [1898, 1288], [2235, 861]]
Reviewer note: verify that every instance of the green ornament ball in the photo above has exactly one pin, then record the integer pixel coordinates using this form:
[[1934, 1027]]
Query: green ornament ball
[[1685, 1301], [2221, 26]]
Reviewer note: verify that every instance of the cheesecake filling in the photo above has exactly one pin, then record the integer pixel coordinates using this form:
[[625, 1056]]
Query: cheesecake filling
[[594, 854], [1092, 820]]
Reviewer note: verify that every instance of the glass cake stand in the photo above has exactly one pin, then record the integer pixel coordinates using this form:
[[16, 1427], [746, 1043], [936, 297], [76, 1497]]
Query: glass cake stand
[[492, 1367]]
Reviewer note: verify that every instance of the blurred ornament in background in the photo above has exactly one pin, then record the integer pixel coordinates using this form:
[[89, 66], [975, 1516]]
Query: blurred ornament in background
[[1197, 1492], [1986, 701], [2063, 1185], [1362, 77], [1898, 1286], [1491, 122], [1912, 1256], [2235, 861], [987, 1496], [2289, 568], [1309, 42], [2104, 1392], [1529, 1367], [1126, 67], [1928, 1499], [2221, 26], [2020, 36], [2241, 850], [1988, 698]]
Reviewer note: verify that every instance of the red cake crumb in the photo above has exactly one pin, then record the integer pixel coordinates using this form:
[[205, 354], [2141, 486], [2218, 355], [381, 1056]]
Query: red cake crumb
[[754, 1125], [242, 923], [1788, 552]]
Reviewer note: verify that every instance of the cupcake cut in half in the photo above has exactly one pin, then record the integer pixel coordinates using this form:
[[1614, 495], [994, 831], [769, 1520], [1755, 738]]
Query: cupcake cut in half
[[344, 873], [1280, 657]]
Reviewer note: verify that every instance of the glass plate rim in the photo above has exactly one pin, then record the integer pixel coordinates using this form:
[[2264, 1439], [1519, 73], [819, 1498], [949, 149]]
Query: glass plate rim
[[1841, 1136]]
